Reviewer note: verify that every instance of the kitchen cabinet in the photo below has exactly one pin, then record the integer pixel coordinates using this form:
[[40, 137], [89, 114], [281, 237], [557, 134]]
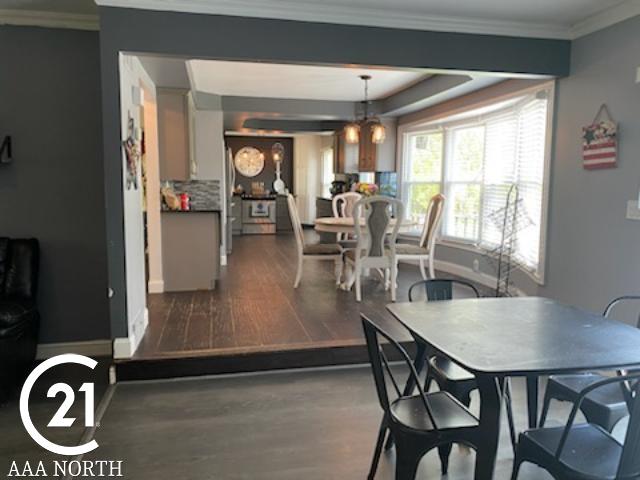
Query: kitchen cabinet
[[283, 220], [346, 155], [377, 157]]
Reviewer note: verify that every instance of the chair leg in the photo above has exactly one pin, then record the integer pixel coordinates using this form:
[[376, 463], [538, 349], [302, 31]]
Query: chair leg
[[339, 266], [394, 279], [358, 284], [443, 452], [517, 463], [423, 272], [376, 454], [407, 461], [299, 272], [509, 404], [545, 406]]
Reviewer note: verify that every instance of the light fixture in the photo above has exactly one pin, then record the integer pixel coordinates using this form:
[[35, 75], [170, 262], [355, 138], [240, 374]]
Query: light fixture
[[374, 127]]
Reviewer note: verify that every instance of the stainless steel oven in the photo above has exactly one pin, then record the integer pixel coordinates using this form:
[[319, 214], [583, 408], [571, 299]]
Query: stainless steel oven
[[258, 216]]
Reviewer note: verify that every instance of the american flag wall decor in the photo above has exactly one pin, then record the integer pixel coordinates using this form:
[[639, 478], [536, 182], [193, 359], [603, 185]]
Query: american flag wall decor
[[600, 142]]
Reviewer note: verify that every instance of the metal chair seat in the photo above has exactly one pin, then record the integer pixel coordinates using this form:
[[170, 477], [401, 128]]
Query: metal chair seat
[[445, 369], [590, 452], [449, 414]]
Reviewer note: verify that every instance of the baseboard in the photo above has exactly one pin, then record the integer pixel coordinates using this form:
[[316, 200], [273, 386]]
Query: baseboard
[[470, 274], [89, 348], [223, 260], [156, 286], [123, 348]]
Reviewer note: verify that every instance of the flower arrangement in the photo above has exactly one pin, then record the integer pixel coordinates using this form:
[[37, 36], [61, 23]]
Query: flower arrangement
[[366, 189]]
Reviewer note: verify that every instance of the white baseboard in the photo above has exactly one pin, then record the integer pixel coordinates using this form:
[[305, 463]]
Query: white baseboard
[[223, 260], [123, 348], [470, 274], [156, 286], [90, 348]]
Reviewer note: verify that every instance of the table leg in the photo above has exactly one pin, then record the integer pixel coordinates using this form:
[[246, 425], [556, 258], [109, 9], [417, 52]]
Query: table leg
[[532, 401], [418, 363], [489, 429]]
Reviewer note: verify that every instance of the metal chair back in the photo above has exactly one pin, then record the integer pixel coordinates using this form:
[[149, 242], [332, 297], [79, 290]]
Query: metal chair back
[[439, 289], [382, 371]]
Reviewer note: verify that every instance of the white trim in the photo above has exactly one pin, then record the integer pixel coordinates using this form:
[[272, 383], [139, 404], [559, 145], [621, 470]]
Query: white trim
[[347, 15], [49, 19], [477, 277], [607, 18], [384, 17], [156, 286], [123, 348], [90, 348]]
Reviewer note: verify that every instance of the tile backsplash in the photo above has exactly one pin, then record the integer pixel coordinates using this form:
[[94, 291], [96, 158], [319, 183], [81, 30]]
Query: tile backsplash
[[204, 194]]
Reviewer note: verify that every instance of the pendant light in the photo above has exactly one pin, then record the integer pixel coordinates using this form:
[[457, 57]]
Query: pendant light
[[376, 129]]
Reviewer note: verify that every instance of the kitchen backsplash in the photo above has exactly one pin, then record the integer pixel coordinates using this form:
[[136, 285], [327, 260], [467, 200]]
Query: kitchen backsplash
[[203, 194]]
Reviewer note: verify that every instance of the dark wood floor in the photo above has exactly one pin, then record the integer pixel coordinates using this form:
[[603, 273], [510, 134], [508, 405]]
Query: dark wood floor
[[256, 309]]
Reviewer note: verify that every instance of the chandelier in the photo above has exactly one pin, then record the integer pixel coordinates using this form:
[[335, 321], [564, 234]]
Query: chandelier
[[370, 125]]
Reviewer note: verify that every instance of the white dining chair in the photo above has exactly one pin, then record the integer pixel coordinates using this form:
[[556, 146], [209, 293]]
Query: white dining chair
[[424, 251], [375, 249], [342, 206], [320, 251]]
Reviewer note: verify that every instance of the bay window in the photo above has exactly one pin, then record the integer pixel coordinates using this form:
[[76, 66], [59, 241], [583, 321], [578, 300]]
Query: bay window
[[474, 159]]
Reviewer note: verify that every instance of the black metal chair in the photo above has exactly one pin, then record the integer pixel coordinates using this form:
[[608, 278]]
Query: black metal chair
[[605, 406], [449, 376], [418, 423], [586, 451]]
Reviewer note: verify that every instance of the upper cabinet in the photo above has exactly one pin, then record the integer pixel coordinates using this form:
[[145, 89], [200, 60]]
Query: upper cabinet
[[346, 154], [367, 156]]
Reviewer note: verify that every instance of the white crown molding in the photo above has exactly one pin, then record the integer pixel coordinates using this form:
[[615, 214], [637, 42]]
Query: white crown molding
[[611, 16], [49, 19], [344, 14]]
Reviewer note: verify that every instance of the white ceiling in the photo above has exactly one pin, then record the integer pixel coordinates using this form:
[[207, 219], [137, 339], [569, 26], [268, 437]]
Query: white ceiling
[[310, 82]]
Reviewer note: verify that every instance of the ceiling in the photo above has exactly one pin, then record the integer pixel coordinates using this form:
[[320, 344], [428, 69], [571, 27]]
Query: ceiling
[[310, 82]]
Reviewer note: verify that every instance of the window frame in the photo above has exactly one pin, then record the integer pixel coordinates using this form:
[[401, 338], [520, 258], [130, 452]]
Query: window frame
[[440, 123]]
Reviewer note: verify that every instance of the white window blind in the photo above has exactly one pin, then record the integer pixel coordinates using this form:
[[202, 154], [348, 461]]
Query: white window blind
[[475, 162]]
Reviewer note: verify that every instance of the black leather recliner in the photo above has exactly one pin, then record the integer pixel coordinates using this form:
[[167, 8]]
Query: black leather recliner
[[19, 316]]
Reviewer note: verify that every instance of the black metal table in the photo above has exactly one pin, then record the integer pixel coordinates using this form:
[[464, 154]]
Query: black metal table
[[496, 338]]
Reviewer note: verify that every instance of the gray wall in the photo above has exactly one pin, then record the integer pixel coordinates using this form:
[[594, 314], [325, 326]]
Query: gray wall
[[594, 252], [54, 190]]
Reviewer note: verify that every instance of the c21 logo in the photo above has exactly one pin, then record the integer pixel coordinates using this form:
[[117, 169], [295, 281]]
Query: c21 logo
[[60, 418]]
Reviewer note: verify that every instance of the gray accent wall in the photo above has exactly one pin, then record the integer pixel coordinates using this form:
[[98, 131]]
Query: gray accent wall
[[54, 189], [593, 250]]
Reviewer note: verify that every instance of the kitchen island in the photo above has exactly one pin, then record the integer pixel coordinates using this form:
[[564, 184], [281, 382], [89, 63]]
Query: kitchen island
[[190, 249]]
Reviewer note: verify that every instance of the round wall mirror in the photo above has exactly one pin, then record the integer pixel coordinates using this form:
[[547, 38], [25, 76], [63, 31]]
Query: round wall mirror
[[249, 161]]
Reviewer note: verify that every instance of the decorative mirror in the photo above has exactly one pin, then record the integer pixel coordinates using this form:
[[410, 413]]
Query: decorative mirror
[[249, 161]]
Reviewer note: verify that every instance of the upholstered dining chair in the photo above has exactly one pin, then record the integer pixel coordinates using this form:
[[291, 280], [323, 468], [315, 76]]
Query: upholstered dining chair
[[424, 251], [374, 249], [342, 206], [320, 251]]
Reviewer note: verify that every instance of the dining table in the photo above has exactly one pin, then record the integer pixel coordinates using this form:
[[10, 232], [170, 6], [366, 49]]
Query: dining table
[[499, 338], [347, 224]]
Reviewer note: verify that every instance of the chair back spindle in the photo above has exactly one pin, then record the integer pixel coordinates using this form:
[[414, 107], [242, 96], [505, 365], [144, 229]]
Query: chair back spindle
[[376, 211]]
